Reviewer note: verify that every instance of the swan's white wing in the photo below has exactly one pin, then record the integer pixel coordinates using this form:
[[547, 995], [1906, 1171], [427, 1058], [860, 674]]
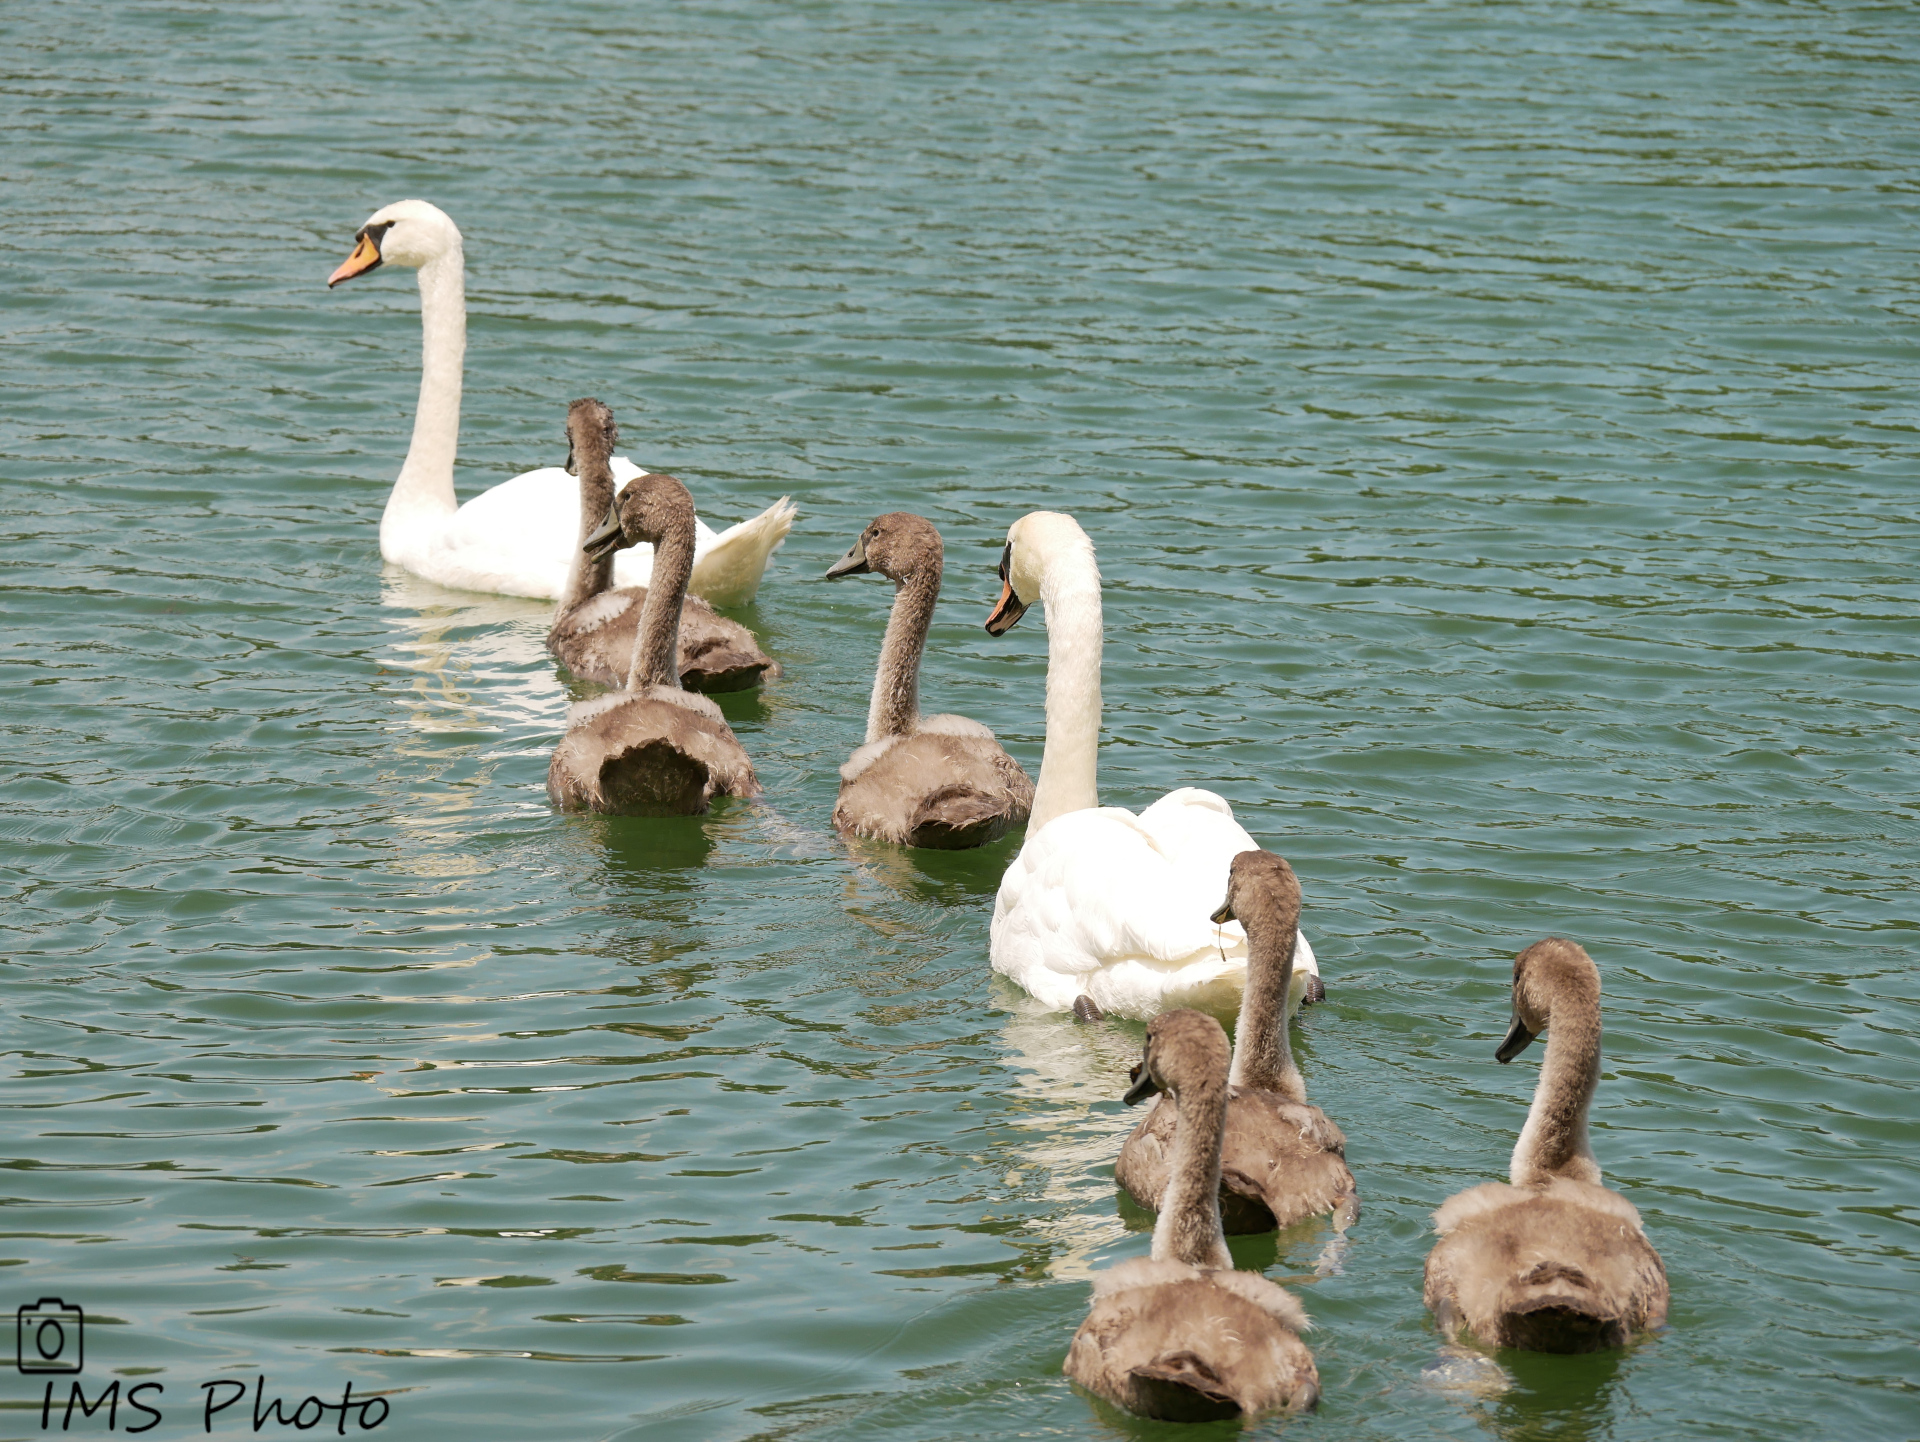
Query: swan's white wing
[[727, 572], [1196, 832], [1119, 907], [518, 538], [1093, 904]]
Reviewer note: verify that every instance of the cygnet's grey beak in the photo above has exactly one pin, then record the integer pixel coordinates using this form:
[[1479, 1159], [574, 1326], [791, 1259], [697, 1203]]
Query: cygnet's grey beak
[[1518, 1040], [854, 563], [609, 538], [1143, 1086], [1222, 914]]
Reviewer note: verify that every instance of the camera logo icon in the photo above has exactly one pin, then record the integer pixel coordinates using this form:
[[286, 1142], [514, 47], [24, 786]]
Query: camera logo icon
[[50, 1337]]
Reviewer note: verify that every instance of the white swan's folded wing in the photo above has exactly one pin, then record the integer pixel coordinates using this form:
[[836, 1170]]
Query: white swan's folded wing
[[516, 538], [519, 538], [1092, 890], [1196, 832]]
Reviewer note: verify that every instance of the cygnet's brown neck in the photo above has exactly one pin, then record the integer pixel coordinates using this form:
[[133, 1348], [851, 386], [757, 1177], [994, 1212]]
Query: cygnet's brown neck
[[587, 578], [895, 707], [1262, 1050], [656, 650], [1554, 1141], [1188, 1229]]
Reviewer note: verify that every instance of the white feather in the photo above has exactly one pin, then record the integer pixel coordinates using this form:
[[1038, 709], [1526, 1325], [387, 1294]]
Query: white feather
[[1101, 902], [519, 538]]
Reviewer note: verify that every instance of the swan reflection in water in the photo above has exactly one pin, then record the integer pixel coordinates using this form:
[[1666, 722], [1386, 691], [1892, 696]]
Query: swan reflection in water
[[1532, 1396], [477, 662], [481, 661], [466, 672], [1064, 1099]]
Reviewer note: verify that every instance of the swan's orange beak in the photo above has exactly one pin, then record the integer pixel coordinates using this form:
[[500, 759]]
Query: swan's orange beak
[[365, 257], [1010, 609]]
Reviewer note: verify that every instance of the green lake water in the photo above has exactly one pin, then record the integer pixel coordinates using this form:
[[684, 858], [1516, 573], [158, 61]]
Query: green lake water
[[1497, 424]]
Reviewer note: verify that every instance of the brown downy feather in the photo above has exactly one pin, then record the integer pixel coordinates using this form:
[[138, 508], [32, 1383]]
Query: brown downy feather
[[1552, 1261], [596, 627], [647, 754], [1282, 1159], [1187, 1349], [1181, 1335], [652, 749], [1282, 1162], [942, 782], [595, 639]]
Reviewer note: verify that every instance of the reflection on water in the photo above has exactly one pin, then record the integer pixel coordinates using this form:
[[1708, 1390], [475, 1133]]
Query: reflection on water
[[937, 878], [461, 643], [1067, 1078], [476, 670], [643, 856], [1554, 1399], [1467, 1372]]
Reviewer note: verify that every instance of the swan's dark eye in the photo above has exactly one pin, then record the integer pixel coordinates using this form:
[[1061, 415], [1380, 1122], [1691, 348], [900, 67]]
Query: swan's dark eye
[[1006, 557]]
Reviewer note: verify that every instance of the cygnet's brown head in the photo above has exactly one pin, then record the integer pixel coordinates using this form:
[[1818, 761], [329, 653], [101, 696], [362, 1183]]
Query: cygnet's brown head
[[591, 434], [1546, 972], [651, 508], [1259, 885], [1184, 1049], [896, 545]]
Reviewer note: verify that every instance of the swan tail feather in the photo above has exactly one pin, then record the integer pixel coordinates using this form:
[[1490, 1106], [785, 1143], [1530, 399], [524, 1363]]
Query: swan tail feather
[[654, 778], [722, 668], [728, 573]]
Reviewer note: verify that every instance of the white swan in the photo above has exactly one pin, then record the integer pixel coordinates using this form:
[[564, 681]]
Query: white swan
[[1102, 906], [518, 538]]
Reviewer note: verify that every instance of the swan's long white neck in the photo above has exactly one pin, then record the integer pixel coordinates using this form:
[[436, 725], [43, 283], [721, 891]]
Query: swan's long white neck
[[424, 490], [1069, 767]]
